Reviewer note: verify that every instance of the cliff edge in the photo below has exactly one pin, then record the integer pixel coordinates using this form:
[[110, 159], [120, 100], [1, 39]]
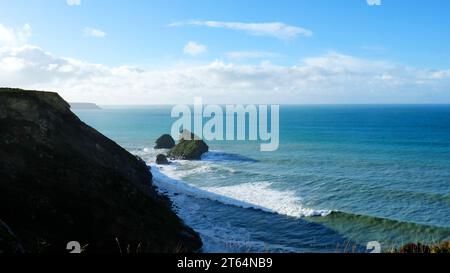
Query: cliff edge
[[61, 181]]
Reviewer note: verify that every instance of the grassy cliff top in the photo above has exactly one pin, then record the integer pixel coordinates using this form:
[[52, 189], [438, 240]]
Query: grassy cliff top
[[49, 98]]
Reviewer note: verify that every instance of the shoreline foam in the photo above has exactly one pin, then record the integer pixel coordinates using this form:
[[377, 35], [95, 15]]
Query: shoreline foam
[[258, 196]]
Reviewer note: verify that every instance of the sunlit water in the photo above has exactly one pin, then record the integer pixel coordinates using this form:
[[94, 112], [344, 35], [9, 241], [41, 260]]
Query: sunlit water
[[342, 176]]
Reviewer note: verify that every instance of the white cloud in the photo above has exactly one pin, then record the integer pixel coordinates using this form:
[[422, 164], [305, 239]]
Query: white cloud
[[14, 37], [330, 78], [93, 32], [374, 2], [272, 29], [193, 48], [252, 55], [73, 2], [442, 74]]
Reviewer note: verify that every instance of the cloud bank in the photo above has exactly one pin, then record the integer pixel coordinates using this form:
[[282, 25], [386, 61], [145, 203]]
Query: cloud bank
[[330, 78], [14, 36]]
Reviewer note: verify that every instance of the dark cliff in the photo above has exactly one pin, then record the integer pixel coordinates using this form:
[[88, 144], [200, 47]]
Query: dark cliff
[[61, 181]]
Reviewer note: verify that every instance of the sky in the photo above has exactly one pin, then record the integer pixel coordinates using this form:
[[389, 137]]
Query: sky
[[276, 52]]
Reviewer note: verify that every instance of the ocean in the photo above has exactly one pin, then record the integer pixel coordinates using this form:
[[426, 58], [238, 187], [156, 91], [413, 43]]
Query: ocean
[[343, 176]]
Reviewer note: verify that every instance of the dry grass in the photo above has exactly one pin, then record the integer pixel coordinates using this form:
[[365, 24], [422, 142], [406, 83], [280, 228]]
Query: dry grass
[[424, 249]]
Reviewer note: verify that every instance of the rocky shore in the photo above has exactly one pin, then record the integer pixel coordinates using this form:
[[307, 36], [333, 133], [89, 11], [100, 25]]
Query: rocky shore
[[63, 181]]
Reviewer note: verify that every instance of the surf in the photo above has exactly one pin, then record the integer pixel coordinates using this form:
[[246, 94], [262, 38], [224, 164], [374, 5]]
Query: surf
[[254, 195]]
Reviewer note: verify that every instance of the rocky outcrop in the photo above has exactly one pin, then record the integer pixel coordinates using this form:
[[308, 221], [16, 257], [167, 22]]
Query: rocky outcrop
[[63, 181], [165, 142], [161, 159], [190, 147]]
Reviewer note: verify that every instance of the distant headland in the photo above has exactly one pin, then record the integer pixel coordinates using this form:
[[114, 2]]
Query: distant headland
[[84, 106]]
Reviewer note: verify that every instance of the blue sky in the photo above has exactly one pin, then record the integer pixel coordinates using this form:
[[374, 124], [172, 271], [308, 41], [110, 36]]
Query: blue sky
[[393, 51]]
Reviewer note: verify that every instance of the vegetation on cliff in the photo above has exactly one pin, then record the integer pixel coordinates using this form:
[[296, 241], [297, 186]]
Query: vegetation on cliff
[[424, 249], [190, 147]]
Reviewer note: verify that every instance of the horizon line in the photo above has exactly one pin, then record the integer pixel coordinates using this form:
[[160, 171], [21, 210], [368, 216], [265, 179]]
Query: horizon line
[[282, 104]]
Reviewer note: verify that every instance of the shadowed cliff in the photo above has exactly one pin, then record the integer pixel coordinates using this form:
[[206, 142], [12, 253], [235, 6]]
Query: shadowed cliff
[[63, 181]]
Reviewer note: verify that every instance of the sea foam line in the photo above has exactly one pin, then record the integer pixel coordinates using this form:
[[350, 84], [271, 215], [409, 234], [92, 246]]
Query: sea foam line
[[251, 195]]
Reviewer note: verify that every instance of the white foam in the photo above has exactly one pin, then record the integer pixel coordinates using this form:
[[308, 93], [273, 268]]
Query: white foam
[[252, 195], [180, 169], [147, 154], [262, 196]]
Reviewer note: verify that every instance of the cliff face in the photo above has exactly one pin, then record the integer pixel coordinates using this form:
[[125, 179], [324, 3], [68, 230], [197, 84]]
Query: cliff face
[[61, 181]]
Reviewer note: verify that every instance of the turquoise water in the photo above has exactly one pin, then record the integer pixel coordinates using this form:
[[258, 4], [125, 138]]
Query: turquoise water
[[342, 176]]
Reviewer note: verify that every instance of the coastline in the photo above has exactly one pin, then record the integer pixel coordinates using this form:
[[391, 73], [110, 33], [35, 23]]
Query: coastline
[[63, 182], [229, 212]]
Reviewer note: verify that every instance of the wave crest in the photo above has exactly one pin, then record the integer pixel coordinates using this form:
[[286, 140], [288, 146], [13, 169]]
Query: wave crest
[[258, 196]]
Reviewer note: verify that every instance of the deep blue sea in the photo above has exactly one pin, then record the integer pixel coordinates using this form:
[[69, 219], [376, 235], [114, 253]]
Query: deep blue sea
[[342, 176]]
